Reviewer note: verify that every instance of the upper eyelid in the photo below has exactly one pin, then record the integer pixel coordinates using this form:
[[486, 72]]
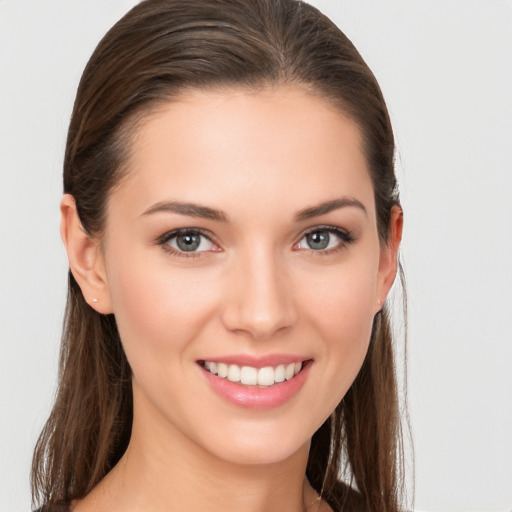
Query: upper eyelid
[[210, 236], [345, 236], [326, 227], [175, 232], [163, 242]]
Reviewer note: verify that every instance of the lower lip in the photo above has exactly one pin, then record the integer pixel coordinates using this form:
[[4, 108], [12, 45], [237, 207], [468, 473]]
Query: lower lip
[[254, 397]]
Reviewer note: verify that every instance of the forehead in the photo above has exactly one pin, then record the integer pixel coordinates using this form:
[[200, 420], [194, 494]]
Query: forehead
[[277, 148]]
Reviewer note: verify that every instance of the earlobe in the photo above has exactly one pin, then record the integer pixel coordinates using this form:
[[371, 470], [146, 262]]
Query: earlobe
[[85, 258], [388, 264]]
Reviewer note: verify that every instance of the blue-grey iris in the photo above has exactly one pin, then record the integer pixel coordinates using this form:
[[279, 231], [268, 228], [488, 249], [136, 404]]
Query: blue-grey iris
[[188, 242], [318, 240]]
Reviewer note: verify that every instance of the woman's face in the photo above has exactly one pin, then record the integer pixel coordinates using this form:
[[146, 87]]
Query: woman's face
[[243, 240]]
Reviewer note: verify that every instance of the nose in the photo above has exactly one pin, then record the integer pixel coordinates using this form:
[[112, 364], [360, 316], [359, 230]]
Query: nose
[[259, 297]]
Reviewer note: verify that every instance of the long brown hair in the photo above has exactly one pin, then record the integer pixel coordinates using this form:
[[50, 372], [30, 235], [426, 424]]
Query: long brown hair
[[155, 52]]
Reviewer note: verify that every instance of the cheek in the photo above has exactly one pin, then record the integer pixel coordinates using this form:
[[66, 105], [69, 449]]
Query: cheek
[[341, 299], [158, 309], [340, 306]]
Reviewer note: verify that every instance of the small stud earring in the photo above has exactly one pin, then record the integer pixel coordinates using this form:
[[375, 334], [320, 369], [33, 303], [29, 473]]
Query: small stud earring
[[95, 300], [379, 302]]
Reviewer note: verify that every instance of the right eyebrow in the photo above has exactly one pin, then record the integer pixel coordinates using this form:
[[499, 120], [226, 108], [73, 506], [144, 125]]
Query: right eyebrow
[[189, 209]]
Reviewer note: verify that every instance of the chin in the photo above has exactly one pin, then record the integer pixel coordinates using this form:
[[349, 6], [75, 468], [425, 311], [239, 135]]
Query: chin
[[260, 443], [262, 454]]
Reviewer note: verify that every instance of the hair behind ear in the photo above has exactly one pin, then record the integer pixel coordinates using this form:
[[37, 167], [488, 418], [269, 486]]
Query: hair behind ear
[[361, 439], [91, 418]]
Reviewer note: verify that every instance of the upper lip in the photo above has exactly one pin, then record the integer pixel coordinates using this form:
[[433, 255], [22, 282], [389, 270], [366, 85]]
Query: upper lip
[[257, 361]]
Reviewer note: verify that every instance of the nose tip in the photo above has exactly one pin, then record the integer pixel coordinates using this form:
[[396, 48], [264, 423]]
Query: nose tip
[[260, 304], [262, 326]]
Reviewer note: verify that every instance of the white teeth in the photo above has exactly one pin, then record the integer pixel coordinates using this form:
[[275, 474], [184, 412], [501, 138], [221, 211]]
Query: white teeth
[[266, 376], [250, 376], [211, 367], [289, 371], [222, 370], [234, 373], [279, 373]]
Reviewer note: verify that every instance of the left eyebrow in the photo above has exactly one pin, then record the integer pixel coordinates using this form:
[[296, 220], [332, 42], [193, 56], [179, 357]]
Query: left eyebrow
[[329, 206]]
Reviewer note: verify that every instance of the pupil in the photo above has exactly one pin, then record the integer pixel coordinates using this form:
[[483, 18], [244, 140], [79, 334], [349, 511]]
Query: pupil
[[188, 242], [318, 240]]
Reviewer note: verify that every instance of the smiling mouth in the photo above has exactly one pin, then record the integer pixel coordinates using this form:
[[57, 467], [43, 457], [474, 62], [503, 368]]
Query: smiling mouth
[[250, 376]]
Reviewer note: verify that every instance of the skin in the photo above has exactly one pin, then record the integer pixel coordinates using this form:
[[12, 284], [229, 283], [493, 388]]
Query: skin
[[257, 288]]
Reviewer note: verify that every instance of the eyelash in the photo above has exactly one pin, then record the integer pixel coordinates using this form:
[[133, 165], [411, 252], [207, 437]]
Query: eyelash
[[344, 235], [167, 237]]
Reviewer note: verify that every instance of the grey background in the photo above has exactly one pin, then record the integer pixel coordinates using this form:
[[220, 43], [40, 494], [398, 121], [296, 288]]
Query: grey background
[[445, 67]]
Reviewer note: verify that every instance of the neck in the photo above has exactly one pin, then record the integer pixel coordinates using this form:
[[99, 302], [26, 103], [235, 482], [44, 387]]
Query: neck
[[178, 478], [164, 470]]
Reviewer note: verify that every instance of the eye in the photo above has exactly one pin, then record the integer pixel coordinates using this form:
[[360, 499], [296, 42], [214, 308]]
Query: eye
[[188, 241], [325, 239]]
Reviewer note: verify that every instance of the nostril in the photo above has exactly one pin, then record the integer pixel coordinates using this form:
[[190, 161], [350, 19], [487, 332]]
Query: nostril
[[258, 326]]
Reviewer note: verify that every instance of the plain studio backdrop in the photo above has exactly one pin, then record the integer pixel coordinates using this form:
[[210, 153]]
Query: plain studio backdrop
[[445, 67]]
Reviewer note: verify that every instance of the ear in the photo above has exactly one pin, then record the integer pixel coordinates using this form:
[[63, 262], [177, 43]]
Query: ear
[[388, 262], [85, 258]]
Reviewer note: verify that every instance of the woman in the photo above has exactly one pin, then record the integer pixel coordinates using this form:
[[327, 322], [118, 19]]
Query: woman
[[232, 225]]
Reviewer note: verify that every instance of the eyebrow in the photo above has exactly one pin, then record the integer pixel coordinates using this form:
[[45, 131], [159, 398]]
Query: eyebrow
[[189, 209], [329, 206], [205, 212]]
